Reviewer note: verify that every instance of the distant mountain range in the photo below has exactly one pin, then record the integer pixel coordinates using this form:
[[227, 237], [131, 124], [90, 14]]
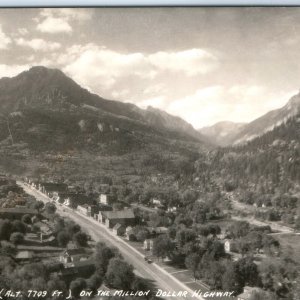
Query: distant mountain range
[[45, 109], [222, 132], [229, 133]]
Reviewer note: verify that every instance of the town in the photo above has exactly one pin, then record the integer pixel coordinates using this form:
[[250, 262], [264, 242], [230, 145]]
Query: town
[[40, 220]]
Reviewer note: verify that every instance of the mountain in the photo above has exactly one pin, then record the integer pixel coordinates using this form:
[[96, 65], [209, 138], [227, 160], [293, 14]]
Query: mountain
[[221, 133], [268, 121], [44, 112], [157, 117], [228, 133], [43, 88]]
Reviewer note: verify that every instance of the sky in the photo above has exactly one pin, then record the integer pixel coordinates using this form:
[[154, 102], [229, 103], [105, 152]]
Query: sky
[[204, 65]]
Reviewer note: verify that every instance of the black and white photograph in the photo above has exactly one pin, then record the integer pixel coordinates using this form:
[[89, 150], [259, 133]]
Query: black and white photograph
[[150, 153]]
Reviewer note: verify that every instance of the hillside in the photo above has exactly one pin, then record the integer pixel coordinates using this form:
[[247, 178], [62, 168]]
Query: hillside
[[43, 88], [44, 112], [221, 133], [229, 133], [264, 172], [268, 121]]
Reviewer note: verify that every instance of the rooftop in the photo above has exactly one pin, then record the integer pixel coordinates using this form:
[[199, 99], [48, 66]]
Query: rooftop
[[24, 254], [117, 226], [121, 214]]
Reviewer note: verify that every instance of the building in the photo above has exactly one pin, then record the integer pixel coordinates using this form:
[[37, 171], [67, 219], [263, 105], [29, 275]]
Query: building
[[111, 218], [148, 244], [73, 270], [156, 202], [83, 209], [103, 199], [91, 210], [75, 199], [155, 231], [100, 207], [130, 235], [230, 246], [73, 255], [49, 188], [24, 255], [172, 209], [119, 229]]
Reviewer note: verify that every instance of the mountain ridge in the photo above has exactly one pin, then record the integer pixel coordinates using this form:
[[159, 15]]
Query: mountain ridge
[[237, 133], [45, 86]]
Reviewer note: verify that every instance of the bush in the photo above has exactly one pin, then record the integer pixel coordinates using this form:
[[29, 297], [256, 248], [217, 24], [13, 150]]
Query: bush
[[17, 238]]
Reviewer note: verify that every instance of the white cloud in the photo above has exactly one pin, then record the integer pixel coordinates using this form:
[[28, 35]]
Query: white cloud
[[213, 104], [154, 89], [12, 70], [98, 66], [245, 91], [23, 31], [192, 61], [102, 66], [38, 44], [57, 20], [4, 39], [54, 25], [203, 107], [121, 94]]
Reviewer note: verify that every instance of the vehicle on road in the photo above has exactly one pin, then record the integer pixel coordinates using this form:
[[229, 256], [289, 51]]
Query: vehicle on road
[[148, 259]]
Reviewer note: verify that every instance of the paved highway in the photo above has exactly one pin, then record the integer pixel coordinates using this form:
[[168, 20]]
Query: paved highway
[[98, 232]]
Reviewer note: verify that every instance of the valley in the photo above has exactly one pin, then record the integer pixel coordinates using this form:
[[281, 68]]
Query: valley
[[212, 206]]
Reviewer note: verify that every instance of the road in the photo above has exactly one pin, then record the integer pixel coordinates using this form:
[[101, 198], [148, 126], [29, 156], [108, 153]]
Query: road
[[98, 232], [249, 208]]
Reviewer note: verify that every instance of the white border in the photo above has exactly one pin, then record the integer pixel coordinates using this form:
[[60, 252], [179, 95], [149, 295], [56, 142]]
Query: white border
[[93, 3]]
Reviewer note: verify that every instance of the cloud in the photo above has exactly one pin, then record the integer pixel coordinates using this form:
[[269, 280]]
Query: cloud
[[55, 20], [54, 25], [4, 39], [121, 94], [192, 62], [12, 70], [238, 103], [23, 31], [38, 44], [98, 66], [203, 107]]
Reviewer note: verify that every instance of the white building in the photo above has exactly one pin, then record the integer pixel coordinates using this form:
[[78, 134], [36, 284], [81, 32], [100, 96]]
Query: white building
[[103, 199]]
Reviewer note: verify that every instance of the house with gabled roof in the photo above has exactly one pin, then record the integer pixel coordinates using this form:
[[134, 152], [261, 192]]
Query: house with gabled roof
[[73, 255], [124, 217], [73, 270]]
